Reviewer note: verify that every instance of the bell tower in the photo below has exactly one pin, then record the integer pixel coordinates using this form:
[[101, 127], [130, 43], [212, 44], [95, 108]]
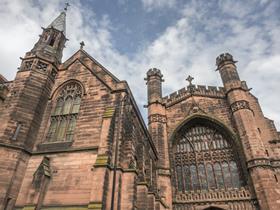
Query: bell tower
[[257, 160], [25, 104], [52, 40]]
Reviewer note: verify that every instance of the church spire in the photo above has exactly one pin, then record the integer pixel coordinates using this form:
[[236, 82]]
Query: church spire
[[52, 40], [59, 23]]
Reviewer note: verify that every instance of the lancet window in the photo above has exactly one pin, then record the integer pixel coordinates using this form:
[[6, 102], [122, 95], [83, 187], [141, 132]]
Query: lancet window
[[64, 115], [204, 159]]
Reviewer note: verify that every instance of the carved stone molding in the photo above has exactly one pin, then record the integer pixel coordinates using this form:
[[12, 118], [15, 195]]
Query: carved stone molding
[[242, 104], [157, 118], [215, 195], [164, 172], [264, 163], [275, 163]]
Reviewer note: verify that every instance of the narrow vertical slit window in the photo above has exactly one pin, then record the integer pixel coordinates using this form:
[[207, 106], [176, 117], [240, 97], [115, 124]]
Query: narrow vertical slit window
[[17, 131]]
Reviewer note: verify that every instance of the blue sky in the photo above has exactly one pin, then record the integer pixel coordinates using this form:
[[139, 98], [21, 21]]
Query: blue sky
[[180, 37]]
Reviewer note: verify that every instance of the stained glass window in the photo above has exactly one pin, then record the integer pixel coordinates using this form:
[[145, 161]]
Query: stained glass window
[[204, 159], [210, 176], [64, 116]]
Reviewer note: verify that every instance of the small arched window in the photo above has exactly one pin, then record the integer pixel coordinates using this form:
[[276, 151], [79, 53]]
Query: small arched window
[[64, 115], [204, 159]]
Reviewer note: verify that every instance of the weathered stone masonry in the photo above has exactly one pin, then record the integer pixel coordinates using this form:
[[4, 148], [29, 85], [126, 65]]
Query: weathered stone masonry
[[72, 137]]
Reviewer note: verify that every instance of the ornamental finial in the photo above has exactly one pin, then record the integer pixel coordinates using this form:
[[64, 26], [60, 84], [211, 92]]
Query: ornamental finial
[[190, 86], [190, 79], [66, 6], [82, 44]]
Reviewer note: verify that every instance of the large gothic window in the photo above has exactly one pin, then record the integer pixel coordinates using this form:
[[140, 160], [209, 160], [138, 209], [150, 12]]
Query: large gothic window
[[204, 159], [64, 115]]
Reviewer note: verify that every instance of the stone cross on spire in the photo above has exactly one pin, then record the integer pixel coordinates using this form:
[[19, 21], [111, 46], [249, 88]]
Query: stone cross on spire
[[82, 44], [190, 79], [66, 6], [60, 22], [191, 86]]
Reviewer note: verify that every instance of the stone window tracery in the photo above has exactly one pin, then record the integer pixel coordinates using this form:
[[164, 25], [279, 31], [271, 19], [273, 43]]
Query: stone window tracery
[[204, 159], [64, 115]]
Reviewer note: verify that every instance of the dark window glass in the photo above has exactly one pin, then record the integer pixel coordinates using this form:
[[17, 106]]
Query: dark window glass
[[179, 178], [210, 176], [187, 178], [203, 155], [202, 176], [64, 117], [235, 175], [195, 183], [219, 176], [226, 173], [59, 105]]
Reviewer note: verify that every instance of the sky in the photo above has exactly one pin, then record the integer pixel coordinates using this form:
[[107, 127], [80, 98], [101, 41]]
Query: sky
[[180, 37]]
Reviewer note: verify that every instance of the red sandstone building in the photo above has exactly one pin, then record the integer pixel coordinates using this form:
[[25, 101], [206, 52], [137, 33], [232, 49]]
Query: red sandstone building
[[72, 137]]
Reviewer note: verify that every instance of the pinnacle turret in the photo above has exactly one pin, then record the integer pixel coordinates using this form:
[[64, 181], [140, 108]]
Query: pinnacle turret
[[52, 40]]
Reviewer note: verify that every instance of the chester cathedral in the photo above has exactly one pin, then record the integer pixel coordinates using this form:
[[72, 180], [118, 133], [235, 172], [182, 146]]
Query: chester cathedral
[[73, 138]]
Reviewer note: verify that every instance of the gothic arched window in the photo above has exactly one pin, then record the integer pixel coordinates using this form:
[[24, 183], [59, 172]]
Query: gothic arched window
[[204, 159], [64, 115]]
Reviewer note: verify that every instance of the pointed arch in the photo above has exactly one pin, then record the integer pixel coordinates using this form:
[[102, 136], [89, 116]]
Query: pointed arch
[[64, 115], [207, 119], [215, 160], [56, 91]]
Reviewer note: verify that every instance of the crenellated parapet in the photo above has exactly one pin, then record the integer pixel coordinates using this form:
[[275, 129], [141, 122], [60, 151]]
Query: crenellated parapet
[[154, 72], [223, 59], [197, 90], [154, 80]]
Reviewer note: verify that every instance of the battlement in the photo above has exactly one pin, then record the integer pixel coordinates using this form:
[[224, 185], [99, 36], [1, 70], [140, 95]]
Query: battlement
[[223, 58], [154, 72], [199, 90]]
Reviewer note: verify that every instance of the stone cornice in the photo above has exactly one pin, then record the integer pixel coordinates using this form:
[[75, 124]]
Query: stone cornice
[[259, 162], [29, 152], [214, 196]]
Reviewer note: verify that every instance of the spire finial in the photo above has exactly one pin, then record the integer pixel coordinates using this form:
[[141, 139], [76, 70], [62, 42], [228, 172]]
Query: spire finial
[[191, 86], [66, 6], [82, 44], [190, 79]]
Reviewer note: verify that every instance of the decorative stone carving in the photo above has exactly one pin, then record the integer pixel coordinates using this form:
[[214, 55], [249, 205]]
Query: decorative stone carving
[[242, 104], [275, 163], [53, 73], [42, 66], [223, 58], [258, 163], [42, 171], [27, 65], [217, 195], [154, 72], [157, 118]]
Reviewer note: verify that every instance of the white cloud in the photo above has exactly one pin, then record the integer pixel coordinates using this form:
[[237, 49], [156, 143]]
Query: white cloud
[[189, 46], [158, 4]]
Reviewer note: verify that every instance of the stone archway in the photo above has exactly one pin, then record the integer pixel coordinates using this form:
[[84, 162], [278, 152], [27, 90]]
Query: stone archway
[[207, 167]]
